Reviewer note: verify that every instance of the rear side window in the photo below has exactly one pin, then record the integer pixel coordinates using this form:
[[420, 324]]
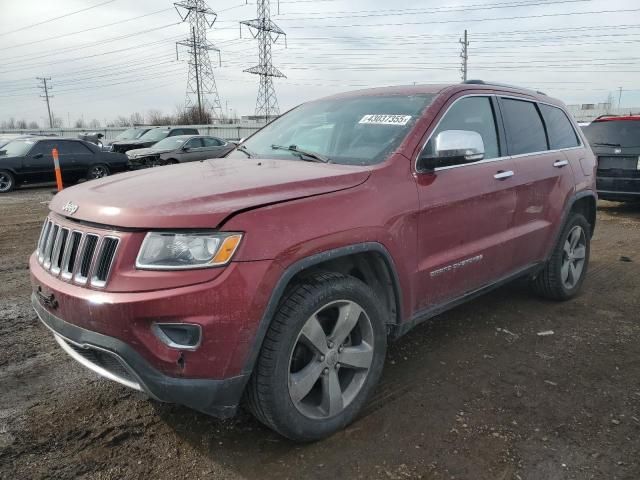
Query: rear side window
[[473, 114], [525, 131], [65, 147], [613, 133], [559, 128], [211, 142]]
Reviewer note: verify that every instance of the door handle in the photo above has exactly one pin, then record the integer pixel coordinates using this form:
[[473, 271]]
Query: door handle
[[503, 175], [560, 163]]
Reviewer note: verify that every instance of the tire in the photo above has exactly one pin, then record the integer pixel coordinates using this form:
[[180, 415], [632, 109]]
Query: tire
[[99, 170], [557, 281], [7, 181], [350, 371]]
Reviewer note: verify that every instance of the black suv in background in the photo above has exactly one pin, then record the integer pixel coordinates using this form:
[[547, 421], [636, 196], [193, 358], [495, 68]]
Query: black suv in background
[[616, 142], [151, 137], [29, 160]]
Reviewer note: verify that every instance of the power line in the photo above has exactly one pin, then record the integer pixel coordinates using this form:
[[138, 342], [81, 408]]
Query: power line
[[486, 19], [56, 18], [120, 22]]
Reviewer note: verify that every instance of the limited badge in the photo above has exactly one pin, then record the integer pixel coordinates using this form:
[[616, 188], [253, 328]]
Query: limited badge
[[385, 119]]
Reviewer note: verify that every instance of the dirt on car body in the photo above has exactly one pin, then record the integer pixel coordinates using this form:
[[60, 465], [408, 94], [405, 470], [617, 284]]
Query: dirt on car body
[[474, 393]]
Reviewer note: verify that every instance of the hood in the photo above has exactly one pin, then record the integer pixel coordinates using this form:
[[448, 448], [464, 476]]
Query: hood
[[201, 194], [143, 152], [141, 143]]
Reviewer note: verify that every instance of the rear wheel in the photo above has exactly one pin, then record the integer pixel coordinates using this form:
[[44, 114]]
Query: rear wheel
[[97, 171], [565, 271], [7, 182], [321, 358]]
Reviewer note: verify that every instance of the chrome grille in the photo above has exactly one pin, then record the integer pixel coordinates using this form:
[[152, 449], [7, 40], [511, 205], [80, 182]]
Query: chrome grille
[[76, 256]]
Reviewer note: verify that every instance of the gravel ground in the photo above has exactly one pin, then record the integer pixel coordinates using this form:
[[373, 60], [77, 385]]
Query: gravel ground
[[474, 394]]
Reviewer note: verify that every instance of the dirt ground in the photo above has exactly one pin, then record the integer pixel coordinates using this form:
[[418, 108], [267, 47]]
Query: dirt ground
[[474, 394]]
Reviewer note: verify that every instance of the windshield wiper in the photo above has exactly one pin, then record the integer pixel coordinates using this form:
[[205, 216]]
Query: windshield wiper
[[316, 157], [605, 144], [245, 150]]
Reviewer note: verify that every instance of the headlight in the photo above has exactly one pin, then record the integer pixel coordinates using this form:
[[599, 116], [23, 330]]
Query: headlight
[[182, 251]]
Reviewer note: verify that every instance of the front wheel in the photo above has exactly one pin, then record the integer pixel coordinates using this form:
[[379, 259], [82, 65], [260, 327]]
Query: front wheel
[[321, 358], [97, 171], [566, 269], [7, 182]]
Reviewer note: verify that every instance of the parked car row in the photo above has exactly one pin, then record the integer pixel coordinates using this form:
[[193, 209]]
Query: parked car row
[[28, 159]]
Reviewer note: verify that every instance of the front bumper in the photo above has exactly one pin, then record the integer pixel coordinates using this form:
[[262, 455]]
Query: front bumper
[[117, 361]]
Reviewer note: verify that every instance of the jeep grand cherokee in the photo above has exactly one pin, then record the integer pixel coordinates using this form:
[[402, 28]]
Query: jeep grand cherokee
[[277, 275]]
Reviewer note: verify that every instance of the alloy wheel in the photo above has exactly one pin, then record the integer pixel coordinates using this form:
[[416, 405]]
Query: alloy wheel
[[6, 182], [331, 359], [98, 171], [575, 249]]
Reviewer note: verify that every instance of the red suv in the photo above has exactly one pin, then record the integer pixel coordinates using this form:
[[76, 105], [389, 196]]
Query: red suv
[[278, 274]]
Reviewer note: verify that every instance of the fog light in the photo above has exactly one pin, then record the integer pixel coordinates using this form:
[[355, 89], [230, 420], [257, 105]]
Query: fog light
[[182, 336]]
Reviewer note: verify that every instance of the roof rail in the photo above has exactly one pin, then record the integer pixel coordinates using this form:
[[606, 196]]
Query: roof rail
[[482, 82]]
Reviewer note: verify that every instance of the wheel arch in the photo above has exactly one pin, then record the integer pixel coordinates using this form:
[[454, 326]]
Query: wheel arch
[[380, 275], [583, 202]]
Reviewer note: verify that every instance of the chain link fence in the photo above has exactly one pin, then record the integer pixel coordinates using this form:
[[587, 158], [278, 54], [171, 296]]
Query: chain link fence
[[234, 131]]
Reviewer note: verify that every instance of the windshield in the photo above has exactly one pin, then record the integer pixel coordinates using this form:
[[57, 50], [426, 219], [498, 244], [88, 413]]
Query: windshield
[[170, 143], [131, 134], [17, 148], [155, 134], [357, 131], [623, 133]]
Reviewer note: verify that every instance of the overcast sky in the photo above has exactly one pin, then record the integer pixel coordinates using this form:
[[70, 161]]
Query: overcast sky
[[576, 50]]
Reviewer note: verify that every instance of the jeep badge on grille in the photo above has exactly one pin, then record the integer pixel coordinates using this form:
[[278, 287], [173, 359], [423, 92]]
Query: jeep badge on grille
[[70, 208]]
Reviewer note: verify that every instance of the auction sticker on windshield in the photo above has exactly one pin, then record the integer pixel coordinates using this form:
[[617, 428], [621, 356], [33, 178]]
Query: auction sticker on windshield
[[385, 119]]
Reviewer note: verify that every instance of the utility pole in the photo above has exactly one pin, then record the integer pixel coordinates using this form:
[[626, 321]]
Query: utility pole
[[464, 55], [267, 33], [619, 96], [195, 62], [45, 88], [201, 83]]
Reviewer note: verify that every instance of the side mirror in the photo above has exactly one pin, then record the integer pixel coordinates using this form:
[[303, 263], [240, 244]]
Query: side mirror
[[38, 155], [186, 149], [452, 147]]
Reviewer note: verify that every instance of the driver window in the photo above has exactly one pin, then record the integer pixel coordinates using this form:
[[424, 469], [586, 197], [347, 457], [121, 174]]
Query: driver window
[[474, 114]]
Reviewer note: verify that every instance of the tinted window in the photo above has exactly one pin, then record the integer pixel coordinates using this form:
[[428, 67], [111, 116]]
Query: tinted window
[[559, 128], [474, 114], [212, 142], [177, 131], [623, 133], [189, 131], [525, 132], [67, 148], [194, 143], [43, 147]]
